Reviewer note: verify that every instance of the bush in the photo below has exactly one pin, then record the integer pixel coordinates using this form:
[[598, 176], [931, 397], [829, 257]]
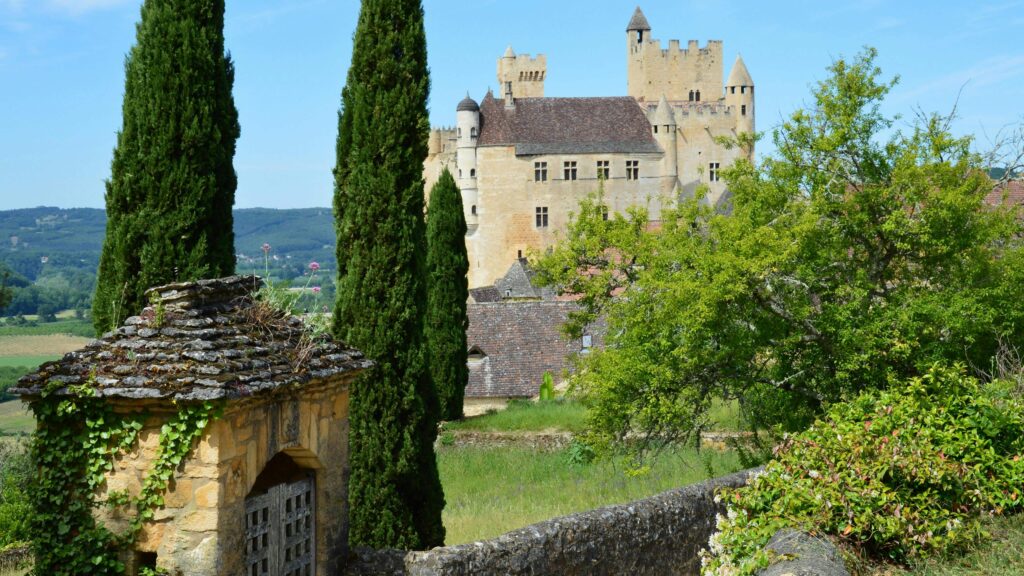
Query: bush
[[15, 508], [896, 475]]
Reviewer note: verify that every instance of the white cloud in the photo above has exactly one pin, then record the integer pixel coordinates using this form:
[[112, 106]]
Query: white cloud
[[985, 73]]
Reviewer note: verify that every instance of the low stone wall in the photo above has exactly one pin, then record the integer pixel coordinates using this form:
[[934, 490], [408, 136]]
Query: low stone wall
[[15, 560], [660, 535]]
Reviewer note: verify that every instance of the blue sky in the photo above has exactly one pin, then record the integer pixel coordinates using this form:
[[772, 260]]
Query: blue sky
[[62, 72]]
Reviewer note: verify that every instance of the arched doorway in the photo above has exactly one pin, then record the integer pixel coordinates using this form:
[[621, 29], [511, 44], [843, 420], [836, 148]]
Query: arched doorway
[[280, 521]]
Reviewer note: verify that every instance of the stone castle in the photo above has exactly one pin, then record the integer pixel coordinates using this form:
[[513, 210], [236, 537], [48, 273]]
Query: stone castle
[[524, 161]]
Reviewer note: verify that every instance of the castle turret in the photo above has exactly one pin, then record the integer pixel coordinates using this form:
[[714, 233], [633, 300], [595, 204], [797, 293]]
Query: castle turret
[[521, 76], [739, 95], [663, 123], [467, 117], [637, 33]]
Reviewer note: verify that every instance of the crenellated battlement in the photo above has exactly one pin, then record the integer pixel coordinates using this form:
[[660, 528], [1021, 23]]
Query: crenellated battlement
[[522, 74]]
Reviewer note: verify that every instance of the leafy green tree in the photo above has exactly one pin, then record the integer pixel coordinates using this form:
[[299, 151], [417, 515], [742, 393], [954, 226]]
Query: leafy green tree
[[395, 495], [853, 257], [447, 293], [172, 182], [6, 293]]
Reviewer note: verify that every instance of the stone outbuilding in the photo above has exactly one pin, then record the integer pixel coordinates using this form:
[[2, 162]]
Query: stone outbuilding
[[264, 490]]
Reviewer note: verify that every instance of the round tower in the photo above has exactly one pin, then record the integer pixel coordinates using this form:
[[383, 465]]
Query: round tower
[[739, 96], [638, 33], [467, 117]]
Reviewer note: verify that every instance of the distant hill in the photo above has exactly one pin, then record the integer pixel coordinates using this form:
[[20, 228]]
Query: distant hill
[[33, 239]]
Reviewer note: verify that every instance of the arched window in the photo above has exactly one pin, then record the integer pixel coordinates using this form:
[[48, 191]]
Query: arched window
[[472, 132], [472, 172], [698, 95], [691, 95], [472, 210]]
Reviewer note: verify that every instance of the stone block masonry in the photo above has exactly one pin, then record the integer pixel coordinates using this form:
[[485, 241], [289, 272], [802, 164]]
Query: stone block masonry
[[660, 535]]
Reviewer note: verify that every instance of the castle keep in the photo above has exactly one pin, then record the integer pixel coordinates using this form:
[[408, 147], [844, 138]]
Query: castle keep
[[524, 161]]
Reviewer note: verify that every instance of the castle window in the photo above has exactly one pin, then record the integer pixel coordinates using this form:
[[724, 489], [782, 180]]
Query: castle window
[[472, 172], [540, 171], [519, 254], [472, 210], [691, 95], [569, 168], [732, 89], [542, 216], [655, 128], [743, 109], [743, 89], [639, 36], [604, 169], [713, 172], [472, 132], [632, 169], [460, 132], [698, 95], [604, 213]]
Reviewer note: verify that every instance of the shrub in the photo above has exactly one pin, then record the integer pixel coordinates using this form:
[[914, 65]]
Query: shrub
[[897, 475], [16, 473]]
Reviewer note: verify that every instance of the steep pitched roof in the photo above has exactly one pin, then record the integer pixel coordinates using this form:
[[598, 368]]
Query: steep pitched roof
[[567, 126], [205, 340], [663, 115], [1012, 193], [638, 21], [739, 75], [520, 341]]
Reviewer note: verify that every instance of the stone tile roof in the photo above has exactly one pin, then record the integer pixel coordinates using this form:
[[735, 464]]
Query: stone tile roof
[[485, 294], [520, 341], [638, 21], [201, 341], [567, 126], [518, 283]]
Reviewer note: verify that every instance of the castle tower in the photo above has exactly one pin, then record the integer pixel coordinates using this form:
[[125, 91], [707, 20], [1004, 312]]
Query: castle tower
[[663, 123], [467, 117], [739, 95], [521, 76], [637, 34]]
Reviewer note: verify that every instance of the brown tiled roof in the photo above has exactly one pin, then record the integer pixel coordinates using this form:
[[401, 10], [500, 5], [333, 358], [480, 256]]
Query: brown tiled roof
[[1012, 193], [205, 340], [567, 126], [521, 341]]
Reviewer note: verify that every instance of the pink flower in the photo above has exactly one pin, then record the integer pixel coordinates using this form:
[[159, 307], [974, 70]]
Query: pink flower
[[314, 266], [266, 247], [316, 289]]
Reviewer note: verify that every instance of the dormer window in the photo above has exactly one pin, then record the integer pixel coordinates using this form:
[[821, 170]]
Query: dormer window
[[476, 355]]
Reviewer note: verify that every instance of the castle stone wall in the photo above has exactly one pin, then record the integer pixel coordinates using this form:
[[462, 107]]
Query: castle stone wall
[[661, 535]]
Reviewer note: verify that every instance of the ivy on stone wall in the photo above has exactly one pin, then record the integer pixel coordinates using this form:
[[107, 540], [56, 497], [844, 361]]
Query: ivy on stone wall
[[77, 438]]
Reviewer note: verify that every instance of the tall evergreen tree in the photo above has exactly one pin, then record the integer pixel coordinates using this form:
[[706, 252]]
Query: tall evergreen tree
[[172, 183], [395, 495], [447, 292]]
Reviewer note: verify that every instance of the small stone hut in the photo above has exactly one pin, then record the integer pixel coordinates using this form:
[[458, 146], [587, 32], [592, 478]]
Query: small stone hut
[[264, 490]]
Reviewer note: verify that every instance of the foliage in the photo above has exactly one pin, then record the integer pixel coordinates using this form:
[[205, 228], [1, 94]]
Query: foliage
[[9, 377], [6, 292], [172, 183], [74, 446], [847, 262], [547, 388], [72, 327], [395, 496], [16, 471], [447, 294], [898, 475]]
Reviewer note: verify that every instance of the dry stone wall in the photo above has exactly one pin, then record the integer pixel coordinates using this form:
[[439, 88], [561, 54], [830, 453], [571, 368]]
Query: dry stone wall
[[659, 536]]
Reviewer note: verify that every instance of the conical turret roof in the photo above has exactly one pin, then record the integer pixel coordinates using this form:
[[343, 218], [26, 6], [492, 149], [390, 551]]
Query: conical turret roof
[[509, 53], [638, 22], [739, 75], [663, 114]]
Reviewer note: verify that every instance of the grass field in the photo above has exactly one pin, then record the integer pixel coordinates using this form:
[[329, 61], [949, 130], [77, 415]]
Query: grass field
[[81, 328], [491, 491], [15, 419]]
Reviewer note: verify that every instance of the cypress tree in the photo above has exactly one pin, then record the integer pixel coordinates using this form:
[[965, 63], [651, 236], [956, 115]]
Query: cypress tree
[[172, 183], [395, 495], [447, 292]]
